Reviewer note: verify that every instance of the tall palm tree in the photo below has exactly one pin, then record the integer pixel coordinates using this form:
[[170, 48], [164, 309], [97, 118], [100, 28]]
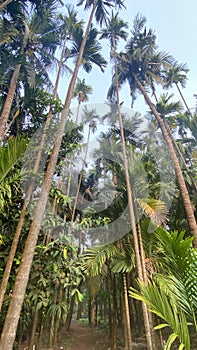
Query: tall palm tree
[[137, 64], [168, 111], [179, 175], [82, 90], [12, 88], [116, 30], [13, 314], [91, 54], [177, 74], [89, 117], [72, 22], [34, 52]]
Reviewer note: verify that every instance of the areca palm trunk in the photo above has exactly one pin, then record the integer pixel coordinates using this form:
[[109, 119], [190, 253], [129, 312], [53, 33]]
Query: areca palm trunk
[[179, 153], [184, 101], [131, 209], [20, 223], [80, 178], [14, 310], [4, 4], [12, 88], [180, 179], [34, 328], [150, 315], [128, 340]]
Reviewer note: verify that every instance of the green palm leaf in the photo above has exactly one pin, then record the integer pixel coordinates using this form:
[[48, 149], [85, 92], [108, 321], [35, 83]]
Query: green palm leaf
[[95, 258], [165, 307], [10, 154]]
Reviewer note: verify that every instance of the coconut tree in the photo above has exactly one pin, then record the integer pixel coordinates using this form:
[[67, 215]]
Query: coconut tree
[[136, 65], [13, 314]]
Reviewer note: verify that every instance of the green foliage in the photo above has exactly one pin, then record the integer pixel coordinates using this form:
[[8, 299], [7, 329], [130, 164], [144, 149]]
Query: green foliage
[[124, 261], [178, 258], [10, 155], [166, 308], [172, 293], [95, 258]]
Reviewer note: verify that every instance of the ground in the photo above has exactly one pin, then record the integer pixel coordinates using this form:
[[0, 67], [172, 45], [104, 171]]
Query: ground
[[83, 337]]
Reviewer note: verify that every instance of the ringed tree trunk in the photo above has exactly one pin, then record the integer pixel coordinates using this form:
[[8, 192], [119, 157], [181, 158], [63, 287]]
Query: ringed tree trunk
[[14, 310], [114, 314], [131, 210], [20, 223], [179, 175], [128, 340], [12, 88]]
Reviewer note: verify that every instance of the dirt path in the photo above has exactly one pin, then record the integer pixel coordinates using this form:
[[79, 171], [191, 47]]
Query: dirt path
[[82, 337]]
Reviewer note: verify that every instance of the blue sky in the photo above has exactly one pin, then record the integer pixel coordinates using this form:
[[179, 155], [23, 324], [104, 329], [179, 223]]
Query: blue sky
[[175, 24]]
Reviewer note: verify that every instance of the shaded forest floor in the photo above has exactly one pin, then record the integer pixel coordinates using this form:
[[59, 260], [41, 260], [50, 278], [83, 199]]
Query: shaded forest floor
[[83, 337]]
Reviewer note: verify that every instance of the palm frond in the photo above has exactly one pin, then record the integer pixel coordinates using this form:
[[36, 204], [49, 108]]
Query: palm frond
[[95, 258], [10, 154], [163, 306]]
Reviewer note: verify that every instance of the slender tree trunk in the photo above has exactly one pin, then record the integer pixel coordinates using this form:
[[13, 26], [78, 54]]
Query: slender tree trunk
[[109, 301], [184, 101], [8, 103], [179, 152], [13, 314], [126, 346], [127, 314], [51, 333], [131, 207], [149, 317], [12, 88], [180, 179], [70, 313], [92, 311], [114, 315], [15, 241], [33, 332], [71, 159], [58, 320], [4, 4], [80, 178]]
